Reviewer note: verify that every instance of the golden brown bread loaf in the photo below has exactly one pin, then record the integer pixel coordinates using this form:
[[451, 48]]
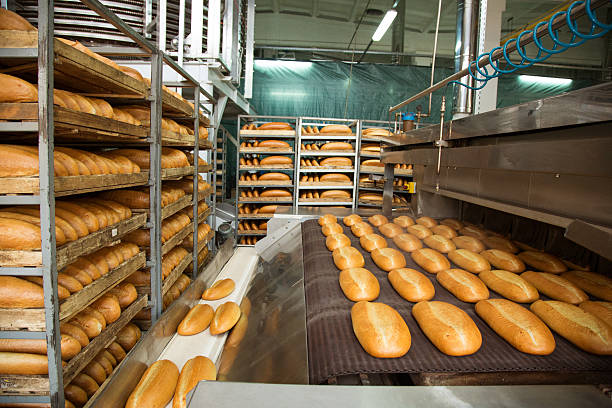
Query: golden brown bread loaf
[[156, 386], [128, 336], [23, 364], [426, 222], [339, 194], [219, 289], [388, 259], [20, 293], [13, 21], [195, 370], [473, 231], [273, 176], [464, 285], [403, 221], [226, 316], [331, 229], [70, 346], [390, 230], [14, 90], [410, 284], [503, 260], [275, 126], [468, 260], [517, 325], [275, 192], [449, 328], [372, 163], [555, 287], [347, 257], [371, 242], [430, 260], [337, 146], [352, 219], [574, 324], [86, 383], [327, 219], [378, 220], [126, 294], [593, 283], [19, 235], [361, 228], [407, 242], [275, 160], [108, 305], [95, 371], [335, 177], [380, 329], [273, 143], [453, 223], [444, 230], [337, 241], [419, 231], [602, 310], [510, 286], [75, 394], [74, 332], [469, 243], [336, 161], [336, 129], [542, 261], [117, 351], [197, 320], [500, 243], [359, 284], [439, 243]]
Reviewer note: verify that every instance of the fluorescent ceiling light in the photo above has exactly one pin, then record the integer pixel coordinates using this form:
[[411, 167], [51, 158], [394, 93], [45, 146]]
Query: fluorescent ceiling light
[[534, 79], [384, 25], [292, 65]]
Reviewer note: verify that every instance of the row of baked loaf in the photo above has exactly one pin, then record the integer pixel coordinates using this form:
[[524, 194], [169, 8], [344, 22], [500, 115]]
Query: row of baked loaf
[[258, 209], [265, 192], [330, 161], [74, 219], [266, 161], [268, 176], [343, 195], [378, 197], [252, 226], [88, 381], [248, 240], [415, 287]]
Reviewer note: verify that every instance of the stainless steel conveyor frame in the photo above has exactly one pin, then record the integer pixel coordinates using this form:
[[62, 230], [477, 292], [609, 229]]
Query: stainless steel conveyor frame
[[547, 160]]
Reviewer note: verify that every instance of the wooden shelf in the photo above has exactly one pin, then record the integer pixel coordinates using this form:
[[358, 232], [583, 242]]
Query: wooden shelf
[[177, 172], [267, 133], [255, 216], [254, 200], [327, 153], [70, 185], [268, 167], [332, 200], [252, 232], [169, 209], [176, 272], [267, 150], [326, 169], [266, 183], [202, 217], [326, 184], [69, 252], [34, 319]]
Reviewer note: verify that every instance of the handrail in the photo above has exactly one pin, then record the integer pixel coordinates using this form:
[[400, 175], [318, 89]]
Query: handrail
[[577, 11]]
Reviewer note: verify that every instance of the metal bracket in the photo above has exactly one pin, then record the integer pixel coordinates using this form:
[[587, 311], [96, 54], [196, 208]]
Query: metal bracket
[[441, 143]]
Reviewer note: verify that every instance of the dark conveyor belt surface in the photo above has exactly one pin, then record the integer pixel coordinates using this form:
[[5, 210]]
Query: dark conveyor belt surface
[[333, 349]]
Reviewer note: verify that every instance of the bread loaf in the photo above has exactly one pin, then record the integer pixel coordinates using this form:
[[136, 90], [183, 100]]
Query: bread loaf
[[574, 324], [503, 260], [273, 160], [75, 394], [376, 132], [336, 129], [20, 293], [555, 287], [273, 143], [352, 219], [390, 230], [469, 243], [195, 370], [337, 146], [419, 231], [411, 284], [23, 364], [275, 192], [380, 329], [86, 383], [339, 194], [128, 336], [117, 351], [361, 228], [388, 259], [197, 320], [274, 176], [439, 243], [226, 316], [327, 219], [602, 310], [16, 90], [449, 328], [335, 177], [359, 284], [378, 220], [95, 371], [347, 257], [469, 260], [444, 230], [219, 289], [13, 21], [371, 242], [331, 229], [592, 283], [510, 286], [430, 260], [75, 332], [334, 241], [517, 325], [156, 386], [108, 305], [427, 222], [336, 161], [372, 163], [542, 261], [500, 243], [403, 221], [407, 242], [69, 346], [275, 126], [473, 231]]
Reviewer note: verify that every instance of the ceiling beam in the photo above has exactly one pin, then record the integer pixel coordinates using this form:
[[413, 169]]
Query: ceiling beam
[[315, 8], [430, 23]]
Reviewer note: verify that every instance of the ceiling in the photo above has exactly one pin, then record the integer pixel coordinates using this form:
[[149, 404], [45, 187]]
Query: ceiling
[[330, 24]]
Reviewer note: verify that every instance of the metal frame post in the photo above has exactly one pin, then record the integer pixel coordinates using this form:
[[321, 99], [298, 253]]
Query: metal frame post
[[297, 168], [195, 36], [250, 40], [196, 176], [161, 23], [47, 200], [237, 198], [388, 190], [213, 183], [213, 31], [155, 186], [357, 163]]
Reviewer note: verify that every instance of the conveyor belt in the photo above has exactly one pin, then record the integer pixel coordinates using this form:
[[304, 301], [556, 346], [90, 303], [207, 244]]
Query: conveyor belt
[[333, 349]]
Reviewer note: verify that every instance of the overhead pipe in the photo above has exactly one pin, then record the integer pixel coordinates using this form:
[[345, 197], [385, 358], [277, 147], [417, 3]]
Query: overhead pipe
[[465, 46]]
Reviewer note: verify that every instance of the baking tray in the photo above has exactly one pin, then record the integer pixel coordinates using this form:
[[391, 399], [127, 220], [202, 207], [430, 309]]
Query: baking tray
[[333, 349]]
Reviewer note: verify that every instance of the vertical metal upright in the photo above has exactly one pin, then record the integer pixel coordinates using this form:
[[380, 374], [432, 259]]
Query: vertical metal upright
[[297, 163], [47, 199], [196, 181], [154, 261], [213, 184], [357, 163]]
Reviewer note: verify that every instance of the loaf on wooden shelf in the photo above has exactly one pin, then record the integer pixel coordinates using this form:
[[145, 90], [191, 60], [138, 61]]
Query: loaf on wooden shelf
[[139, 198], [275, 126], [13, 21], [376, 132], [203, 231]]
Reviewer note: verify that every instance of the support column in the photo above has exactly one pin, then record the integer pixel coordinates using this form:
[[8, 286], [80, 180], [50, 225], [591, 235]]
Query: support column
[[489, 34], [465, 48], [397, 39]]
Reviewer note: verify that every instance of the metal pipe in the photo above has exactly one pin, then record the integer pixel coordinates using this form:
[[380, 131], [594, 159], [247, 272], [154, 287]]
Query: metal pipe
[[435, 51], [527, 39], [442, 110], [365, 52], [467, 24]]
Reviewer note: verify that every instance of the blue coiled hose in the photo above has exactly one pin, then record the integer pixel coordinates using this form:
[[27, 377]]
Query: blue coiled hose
[[559, 46]]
